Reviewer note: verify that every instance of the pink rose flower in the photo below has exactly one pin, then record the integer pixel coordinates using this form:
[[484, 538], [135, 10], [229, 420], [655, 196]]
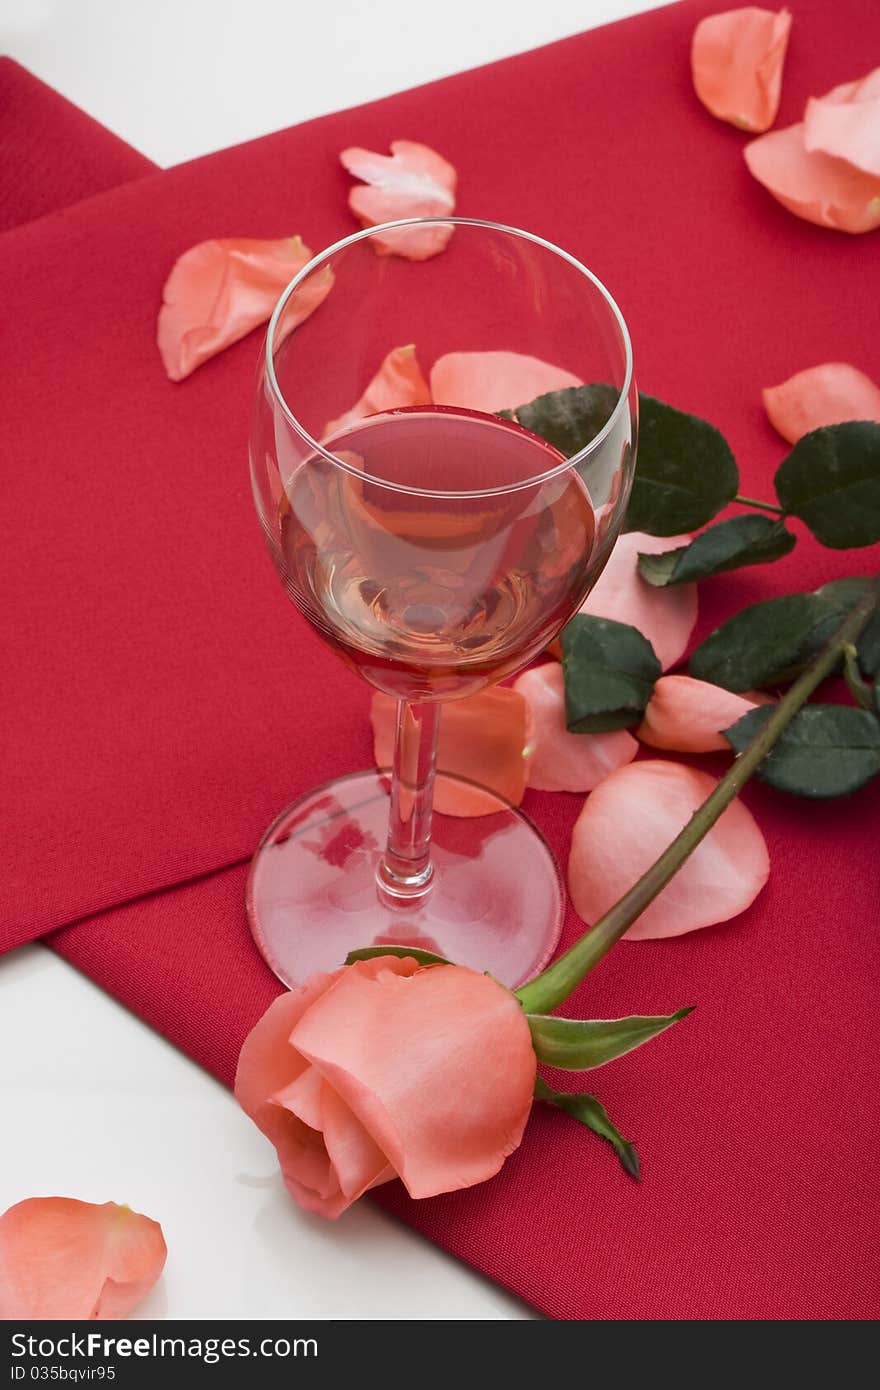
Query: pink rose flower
[[389, 1069]]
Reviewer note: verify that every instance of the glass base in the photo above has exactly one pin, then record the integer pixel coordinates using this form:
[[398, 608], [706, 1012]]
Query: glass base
[[495, 902]]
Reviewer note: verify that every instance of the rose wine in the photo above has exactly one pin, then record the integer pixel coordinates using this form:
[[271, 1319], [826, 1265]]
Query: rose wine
[[442, 558]]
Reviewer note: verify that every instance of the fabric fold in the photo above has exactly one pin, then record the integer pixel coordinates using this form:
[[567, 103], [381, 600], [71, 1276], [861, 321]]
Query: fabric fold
[[53, 154]]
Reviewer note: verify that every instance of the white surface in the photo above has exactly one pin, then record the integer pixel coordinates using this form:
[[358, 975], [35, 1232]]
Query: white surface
[[94, 1104], [97, 1106], [178, 78]]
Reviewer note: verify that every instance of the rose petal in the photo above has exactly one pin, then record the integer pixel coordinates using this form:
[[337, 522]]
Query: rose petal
[[482, 743], [357, 1160], [438, 1066], [665, 616], [320, 1184], [64, 1259], [825, 395], [414, 181], [302, 1097], [736, 62], [862, 89], [626, 824], [264, 1069], [267, 1068], [846, 123], [493, 381], [219, 291], [557, 760], [273, 1082], [688, 715], [398, 382], [814, 186]]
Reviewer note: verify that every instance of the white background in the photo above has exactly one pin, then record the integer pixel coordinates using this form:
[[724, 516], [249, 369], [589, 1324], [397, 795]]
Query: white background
[[95, 1105]]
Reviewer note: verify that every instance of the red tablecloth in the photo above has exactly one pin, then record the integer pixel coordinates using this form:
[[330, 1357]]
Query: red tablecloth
[[166, 701], [51, 153]]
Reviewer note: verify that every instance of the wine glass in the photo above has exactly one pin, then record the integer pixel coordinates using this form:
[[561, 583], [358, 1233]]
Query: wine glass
[[438, 548]]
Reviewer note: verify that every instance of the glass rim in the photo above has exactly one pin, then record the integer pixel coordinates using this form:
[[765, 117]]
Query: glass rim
[[547, 474]]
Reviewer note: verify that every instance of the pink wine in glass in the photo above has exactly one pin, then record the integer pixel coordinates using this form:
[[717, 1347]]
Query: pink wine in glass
[[438, 550], [434, 564]]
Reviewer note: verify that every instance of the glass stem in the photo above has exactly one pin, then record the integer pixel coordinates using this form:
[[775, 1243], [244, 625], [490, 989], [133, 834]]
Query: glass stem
[[405, 870]]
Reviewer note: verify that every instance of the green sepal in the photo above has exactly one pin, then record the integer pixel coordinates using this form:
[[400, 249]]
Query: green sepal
[[574, 1044], [588, 1111], [403, 952]]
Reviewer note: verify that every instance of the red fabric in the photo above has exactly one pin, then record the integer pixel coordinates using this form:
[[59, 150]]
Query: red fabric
[[51, 152], [167, 701]]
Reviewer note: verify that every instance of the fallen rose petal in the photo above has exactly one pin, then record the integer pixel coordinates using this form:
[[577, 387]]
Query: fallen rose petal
[[413, 181], [398, 382], [825, 395], [61, 1259], [688, 715], [665, 616], [626, 824], [436, 1065], [815, 186], [285, 1098], [482, 742], [493, 381], [219, 291], [736, 63], [845, 123], [557, 760]]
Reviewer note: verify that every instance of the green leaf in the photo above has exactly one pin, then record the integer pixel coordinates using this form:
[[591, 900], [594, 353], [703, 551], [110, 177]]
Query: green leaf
[[831, 480], [579, 1044], [610, 670], [831, 604], [729, 545], [756, 647], [685, 472], [407, 952], [567, 419], [826, 751], [773, 641], [590, 1112]]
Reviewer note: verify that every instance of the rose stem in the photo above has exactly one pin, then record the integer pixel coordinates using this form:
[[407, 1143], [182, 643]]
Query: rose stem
[[763, 506], [558, 981]]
